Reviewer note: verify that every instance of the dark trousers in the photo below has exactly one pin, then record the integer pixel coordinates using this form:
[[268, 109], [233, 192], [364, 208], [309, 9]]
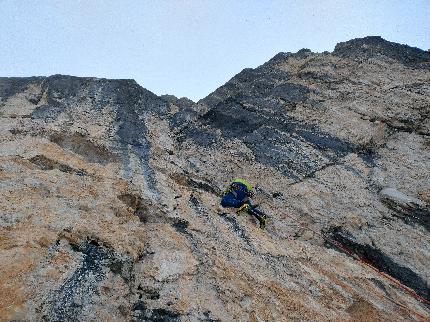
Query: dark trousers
[[255, 212]]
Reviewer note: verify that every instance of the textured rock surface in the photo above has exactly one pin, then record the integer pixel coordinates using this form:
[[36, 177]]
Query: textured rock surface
[[109, 193]]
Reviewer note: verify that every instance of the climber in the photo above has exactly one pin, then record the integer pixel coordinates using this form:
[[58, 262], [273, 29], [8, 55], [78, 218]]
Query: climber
[[237, 195]]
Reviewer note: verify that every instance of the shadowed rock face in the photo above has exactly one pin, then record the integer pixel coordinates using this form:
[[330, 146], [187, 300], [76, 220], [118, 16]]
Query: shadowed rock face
[[10, 86], [384, 263], [295, 149], [372, 47], [110, 194]]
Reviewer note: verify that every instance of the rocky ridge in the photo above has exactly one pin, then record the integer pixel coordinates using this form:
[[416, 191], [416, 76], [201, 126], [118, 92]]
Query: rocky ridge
[[110, 193]]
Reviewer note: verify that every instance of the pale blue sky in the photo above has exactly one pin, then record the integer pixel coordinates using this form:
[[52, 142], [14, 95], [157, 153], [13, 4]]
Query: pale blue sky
[[189, 47]]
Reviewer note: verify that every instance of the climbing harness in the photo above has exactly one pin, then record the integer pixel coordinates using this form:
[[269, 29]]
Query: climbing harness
[[244, 208]]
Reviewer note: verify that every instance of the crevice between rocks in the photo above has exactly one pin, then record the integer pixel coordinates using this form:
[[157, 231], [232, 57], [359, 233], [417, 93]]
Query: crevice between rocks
[[383, 262], [44, 163]]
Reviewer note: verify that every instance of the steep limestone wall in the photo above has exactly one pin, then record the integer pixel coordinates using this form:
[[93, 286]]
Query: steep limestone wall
[[110, 195]]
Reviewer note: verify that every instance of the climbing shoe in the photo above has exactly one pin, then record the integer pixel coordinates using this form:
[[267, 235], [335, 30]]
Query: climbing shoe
[[244, 208], [262, 219]]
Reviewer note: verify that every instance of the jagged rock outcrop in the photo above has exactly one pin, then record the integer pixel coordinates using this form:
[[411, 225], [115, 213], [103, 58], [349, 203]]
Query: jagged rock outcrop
[[110, 194]]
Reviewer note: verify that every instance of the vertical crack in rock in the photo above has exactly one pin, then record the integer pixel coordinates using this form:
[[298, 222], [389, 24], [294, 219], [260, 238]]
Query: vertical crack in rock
[[140, 147], [143, 152], [134, 102], [132, 131]]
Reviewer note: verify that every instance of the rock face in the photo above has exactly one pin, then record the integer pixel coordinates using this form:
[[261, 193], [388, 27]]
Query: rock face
[[110, 194]]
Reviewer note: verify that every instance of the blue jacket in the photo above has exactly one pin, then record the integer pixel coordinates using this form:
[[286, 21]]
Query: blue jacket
[[235, 198]]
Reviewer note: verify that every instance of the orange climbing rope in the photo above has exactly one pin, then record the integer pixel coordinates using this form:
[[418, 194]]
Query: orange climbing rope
[[368, 264]]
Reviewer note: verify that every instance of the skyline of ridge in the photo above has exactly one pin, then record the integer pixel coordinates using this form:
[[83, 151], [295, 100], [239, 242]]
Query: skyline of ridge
[[189, 48]]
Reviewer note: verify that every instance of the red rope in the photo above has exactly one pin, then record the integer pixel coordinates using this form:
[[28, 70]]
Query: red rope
[[368, 264]]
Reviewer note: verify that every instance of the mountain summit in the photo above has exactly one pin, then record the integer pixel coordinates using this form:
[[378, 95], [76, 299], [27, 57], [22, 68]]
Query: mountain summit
[[110, 194]]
